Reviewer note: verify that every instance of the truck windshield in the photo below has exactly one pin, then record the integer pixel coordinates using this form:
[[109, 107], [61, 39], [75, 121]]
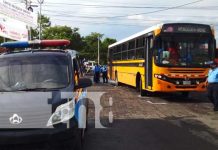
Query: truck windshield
[[33, 72], [191, 52]]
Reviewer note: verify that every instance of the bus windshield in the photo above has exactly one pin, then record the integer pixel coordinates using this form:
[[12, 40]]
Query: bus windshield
[[192, 52]]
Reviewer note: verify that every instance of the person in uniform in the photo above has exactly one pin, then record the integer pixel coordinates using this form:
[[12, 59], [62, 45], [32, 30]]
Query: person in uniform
[[104, 74], [213, 85], [97, 73]]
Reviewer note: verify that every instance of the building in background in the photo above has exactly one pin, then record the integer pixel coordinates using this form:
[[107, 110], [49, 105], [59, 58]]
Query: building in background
[[15, 21]]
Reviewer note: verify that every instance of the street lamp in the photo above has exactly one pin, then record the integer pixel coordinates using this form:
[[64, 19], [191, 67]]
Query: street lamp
[[40, 17], [29, 7]]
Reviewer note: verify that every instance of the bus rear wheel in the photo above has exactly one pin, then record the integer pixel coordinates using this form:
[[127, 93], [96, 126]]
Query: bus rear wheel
[[116, 79], [138, 83], [142, 92]]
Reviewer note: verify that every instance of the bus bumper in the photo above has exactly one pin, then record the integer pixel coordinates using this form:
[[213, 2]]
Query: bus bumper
[[164, 86]]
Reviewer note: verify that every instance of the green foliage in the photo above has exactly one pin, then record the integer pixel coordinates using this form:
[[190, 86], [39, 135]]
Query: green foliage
[[87, 46], [104, 49], [57, 32], [90, 46], [46, 23], [64, 32]]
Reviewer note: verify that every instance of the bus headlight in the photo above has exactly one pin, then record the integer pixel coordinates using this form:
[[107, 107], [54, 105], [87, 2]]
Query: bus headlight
[[62, 113], [159, 76], [177, 82]]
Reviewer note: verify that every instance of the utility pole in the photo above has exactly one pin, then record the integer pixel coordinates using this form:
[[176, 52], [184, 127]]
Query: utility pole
[[98, 49], [28, 7], [40, 18]]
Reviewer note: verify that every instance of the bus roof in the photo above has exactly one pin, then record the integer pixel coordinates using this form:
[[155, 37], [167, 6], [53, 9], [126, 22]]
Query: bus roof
[[137, 35], [153, 28]]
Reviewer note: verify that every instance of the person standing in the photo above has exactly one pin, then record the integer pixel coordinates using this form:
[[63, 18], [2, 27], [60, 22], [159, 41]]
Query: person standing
[[97, 73], [174, 53], [213, 85], [104, 74]]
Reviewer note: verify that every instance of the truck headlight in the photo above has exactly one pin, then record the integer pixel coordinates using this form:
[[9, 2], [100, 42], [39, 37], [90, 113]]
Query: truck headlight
[[62, 113]]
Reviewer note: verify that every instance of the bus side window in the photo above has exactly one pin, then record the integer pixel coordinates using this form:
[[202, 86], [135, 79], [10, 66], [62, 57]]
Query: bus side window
[[151, 43]]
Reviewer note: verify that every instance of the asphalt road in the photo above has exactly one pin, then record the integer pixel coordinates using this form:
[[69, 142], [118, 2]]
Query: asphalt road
[[161, 122]]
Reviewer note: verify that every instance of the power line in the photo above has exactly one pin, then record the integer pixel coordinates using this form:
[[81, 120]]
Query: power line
[[123, 23], [178, 6], [120, 3], [86, 17], [102, 6], [68, 13], [108, 17], [120, 24], [127, 6], [121, 16], [101, 23]]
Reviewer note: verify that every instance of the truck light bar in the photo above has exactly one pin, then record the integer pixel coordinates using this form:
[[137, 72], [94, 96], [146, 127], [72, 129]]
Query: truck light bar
[[42, 43]]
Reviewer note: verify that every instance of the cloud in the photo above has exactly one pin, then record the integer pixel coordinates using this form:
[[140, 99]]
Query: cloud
[[208, 15]]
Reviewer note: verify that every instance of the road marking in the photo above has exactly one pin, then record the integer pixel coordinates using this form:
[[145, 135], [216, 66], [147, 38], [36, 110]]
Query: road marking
[[156, 103], [139, 96]]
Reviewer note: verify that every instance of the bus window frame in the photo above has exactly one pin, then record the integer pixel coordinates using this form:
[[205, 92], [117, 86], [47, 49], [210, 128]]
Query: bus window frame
[[171, 35], [149, 54]]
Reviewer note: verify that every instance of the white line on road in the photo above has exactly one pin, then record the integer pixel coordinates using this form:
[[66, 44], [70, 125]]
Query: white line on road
[[139, 96], [156, 103]]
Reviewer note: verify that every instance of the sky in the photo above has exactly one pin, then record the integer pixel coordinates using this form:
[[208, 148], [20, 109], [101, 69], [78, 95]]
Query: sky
[[121, 18]]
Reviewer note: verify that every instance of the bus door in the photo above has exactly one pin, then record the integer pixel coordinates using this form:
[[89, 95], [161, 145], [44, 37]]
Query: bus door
[[148, 62], [110, 65]]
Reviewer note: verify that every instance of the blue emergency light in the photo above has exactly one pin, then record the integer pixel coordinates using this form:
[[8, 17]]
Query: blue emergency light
[[39, 43], [15, 44]]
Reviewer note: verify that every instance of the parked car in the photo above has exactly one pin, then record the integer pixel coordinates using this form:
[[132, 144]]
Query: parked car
[[90, 65], [40, 95]]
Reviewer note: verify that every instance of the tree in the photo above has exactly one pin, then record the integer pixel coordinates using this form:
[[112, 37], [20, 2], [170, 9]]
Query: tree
[[87, 46], [64, 32], [76, 40], [57, 32], [45, 24], [104, 49], [90, 48]]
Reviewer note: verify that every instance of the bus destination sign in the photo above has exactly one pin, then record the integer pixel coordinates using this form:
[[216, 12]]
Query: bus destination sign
[[186, 28]]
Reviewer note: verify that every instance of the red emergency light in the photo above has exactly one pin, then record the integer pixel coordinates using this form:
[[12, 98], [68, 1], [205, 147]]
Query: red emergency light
[[48, 43]]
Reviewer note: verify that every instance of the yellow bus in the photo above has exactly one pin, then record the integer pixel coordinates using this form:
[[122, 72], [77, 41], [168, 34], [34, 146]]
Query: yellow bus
[[171, 57]]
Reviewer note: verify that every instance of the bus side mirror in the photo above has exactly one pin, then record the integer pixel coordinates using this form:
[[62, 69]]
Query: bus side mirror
[[84, 83]]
